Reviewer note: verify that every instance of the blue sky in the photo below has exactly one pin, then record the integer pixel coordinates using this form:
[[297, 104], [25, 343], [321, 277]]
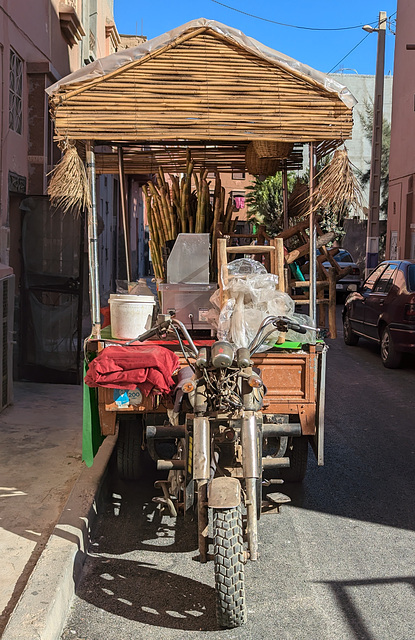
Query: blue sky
[[322, 50]]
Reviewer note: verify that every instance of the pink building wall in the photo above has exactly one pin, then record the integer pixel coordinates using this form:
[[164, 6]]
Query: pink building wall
[[34, 30], [401, 209]]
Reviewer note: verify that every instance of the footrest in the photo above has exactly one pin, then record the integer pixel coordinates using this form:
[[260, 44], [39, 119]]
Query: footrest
[[166, 500], [278, 498]]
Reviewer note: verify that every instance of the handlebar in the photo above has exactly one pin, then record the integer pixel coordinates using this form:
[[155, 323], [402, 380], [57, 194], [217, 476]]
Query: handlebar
[[298, 328], [166, 324], [151, 332], [281, 323]]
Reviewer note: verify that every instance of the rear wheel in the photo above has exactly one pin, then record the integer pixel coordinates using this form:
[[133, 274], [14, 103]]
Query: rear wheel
[[130, 455], [229, 567], [390, 357], [349, 336], [297, 452]]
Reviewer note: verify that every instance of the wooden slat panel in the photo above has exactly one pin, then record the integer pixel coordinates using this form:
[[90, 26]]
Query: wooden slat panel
[[173, 159], [205, 88]]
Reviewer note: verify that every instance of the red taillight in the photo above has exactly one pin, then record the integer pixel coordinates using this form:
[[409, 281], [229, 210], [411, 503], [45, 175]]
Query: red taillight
[[409, 312], [355, 271]]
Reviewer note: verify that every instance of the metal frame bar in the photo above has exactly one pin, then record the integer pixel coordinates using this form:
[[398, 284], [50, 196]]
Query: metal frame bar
[[121, 175], [313, 239], [321, 408], [93, 245]]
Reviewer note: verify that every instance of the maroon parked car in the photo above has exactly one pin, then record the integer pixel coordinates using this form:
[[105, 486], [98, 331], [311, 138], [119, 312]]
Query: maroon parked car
[[383, 309]]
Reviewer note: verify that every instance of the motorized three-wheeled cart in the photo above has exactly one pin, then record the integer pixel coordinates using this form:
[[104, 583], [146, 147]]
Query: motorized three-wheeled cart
[[223, 417]]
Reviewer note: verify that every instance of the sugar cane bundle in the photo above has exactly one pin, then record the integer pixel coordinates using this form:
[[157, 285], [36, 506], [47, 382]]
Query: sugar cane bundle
[[175, 207], [338, 188], [68, 187]]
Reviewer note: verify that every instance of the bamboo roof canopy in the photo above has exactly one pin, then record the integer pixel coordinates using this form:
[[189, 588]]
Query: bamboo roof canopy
[[203, 82], [146, 160]]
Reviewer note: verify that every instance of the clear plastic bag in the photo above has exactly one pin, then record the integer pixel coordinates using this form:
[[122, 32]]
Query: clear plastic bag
[[245, 267], [240, 269], [254, 297], [224, 322], [307, 338]]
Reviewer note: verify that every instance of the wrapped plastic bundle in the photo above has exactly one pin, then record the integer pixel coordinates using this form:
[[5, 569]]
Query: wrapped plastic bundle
[[253, 297]]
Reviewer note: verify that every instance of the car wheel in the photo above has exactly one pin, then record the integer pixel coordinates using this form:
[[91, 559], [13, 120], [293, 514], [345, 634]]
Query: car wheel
[[297, 452], [349, 336], [390, 357]]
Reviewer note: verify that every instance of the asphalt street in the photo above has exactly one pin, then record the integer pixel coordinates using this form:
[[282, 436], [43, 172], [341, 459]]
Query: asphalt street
[[336, 564]]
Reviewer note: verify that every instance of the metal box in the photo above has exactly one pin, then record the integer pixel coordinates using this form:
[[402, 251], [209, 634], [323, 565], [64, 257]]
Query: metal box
[[190, 302]]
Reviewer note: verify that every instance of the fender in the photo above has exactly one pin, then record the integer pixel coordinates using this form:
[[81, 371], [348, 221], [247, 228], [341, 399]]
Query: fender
[[224, 492]]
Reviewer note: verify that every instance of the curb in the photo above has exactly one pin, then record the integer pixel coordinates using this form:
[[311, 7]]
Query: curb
[[43, 606]]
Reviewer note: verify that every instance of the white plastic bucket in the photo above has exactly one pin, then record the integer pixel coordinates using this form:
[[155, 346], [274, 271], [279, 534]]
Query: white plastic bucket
[[130, 315]]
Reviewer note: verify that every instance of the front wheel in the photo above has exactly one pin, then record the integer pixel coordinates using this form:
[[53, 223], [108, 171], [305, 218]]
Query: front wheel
[[349, 336], [229, 567], [390, 357]]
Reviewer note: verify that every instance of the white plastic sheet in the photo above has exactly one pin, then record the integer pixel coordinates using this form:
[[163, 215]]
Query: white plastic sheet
[[254, 297], [104, 66]]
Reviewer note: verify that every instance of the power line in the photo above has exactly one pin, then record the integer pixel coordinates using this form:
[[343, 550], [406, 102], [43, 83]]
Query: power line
[[293, 26], [348, 54], [357, 45]]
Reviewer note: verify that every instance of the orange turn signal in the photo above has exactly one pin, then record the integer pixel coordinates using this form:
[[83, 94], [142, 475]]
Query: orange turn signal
[[189, 386], [255, 382]]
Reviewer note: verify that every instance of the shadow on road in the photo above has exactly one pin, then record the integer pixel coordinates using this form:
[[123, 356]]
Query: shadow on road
[[145, 526], [347, 604], [142, 593]]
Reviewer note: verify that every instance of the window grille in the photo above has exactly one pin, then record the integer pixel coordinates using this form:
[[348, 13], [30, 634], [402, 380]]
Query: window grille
[[92, 41], [15, 92]]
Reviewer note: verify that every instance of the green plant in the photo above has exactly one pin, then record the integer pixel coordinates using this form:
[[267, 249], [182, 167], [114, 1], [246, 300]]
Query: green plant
[[366, 119], [265, 201]]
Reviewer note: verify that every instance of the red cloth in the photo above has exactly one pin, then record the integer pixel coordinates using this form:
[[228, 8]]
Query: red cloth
[[106, 316], [147, 366]]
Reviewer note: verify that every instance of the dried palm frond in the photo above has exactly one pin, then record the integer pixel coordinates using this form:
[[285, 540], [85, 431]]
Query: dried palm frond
[[68, 187], [299, 200], [338, 188]]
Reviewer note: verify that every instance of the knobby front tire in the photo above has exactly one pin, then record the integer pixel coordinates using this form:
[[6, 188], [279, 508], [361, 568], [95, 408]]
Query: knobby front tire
[[229, 567]]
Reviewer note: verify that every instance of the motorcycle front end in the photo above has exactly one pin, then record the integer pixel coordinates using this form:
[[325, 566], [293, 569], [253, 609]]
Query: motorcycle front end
[[218, 464]]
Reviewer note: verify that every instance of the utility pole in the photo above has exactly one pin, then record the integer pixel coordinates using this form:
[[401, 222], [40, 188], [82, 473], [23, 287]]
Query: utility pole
[[372, 234]]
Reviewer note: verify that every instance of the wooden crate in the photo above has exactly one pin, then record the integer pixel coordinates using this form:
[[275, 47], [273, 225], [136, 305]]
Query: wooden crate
[[291, 381]]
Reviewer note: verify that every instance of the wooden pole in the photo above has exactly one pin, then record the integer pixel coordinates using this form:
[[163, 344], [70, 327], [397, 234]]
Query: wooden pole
[[223, 275], [121, 176], [332, 303], [279, 262], [321, 307]]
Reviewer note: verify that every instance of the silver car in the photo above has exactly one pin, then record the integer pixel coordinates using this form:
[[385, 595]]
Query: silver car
[[352, 280]]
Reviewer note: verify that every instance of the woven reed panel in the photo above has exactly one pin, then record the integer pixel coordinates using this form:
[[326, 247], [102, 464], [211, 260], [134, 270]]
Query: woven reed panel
[[203, 89], [173, 160]]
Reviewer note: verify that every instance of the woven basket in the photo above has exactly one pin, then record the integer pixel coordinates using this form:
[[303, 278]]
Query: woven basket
[[272, 148], [260, 166]]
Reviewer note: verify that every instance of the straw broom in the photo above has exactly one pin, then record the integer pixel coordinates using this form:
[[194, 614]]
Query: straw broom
[[338, 187], [68, 188]]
